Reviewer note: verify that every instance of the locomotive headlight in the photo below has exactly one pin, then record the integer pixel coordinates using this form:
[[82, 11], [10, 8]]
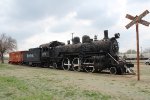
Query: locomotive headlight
[[117, 35]]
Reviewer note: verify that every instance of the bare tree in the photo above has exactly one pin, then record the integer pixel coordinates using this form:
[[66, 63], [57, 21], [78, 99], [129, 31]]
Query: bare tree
[[130, 51], [7, 44]]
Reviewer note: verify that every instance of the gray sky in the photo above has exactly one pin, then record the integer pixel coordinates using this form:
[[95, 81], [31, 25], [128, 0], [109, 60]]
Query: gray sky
[[33, 22]]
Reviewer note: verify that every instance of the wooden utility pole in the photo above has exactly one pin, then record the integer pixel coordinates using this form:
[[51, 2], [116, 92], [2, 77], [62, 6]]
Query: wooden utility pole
[[136, 20]]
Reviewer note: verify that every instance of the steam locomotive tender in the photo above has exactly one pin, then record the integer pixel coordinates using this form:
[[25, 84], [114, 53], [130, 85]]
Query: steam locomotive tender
[[89, 56]]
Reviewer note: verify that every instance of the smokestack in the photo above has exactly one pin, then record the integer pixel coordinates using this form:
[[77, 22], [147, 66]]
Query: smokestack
[[105, 34], [68, 41]]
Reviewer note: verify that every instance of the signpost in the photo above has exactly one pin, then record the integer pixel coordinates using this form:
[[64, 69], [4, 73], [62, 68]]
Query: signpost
[[136, 20]]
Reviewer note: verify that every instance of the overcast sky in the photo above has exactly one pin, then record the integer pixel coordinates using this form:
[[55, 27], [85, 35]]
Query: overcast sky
[[34, 22]]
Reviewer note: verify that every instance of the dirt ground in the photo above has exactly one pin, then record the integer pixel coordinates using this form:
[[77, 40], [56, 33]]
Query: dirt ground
[[119, 87]]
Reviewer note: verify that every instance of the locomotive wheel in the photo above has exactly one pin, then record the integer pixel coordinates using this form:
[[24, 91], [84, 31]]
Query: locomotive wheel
[[120, 71], [54, 66], [89, 65], [66, 65], [147, 63], [76, 64], [113, 70]]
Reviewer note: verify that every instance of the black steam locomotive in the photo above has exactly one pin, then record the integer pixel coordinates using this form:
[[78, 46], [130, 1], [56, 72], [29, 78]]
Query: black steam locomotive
[[90, 55]]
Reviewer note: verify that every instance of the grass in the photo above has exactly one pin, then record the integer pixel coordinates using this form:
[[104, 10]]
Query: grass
[[9, 82], [146, 90], [10, 87], [96, 95], [40, 84], [5, 66], [33, 83]]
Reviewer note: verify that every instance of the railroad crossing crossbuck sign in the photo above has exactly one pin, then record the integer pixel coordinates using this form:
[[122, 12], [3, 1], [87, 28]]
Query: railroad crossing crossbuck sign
[[136, 20]]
